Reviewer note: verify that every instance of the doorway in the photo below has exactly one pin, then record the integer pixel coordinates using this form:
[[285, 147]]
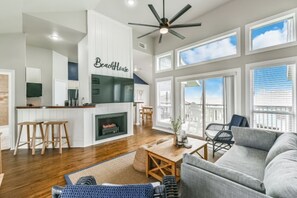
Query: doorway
[[207, 98], [7, 108]]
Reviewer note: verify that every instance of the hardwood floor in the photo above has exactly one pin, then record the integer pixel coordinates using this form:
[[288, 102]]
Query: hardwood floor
[[33, 176]]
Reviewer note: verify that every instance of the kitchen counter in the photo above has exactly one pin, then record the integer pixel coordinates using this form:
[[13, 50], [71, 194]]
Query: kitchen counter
[[55, 107]]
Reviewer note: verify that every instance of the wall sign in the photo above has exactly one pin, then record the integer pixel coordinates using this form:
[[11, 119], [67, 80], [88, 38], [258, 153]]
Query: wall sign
[[113, 65]]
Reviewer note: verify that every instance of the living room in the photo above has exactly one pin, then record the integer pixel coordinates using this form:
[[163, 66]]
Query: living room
[[136, 90]]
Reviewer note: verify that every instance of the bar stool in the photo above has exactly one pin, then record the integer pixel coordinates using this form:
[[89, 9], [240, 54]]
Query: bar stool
[[30, 141], [55, 139]]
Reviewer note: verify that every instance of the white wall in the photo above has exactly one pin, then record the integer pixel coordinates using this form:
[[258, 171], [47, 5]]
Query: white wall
[[111, 41], [59, 79], [13, 57], [11, 16], [43, 59], [142, 94], [227, 17]]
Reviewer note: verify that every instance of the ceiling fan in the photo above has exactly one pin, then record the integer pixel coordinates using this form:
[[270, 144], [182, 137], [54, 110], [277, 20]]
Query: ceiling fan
[[165, 25]]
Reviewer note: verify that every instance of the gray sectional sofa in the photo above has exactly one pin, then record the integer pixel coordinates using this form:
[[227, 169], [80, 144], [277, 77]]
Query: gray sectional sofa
[[260, 164]]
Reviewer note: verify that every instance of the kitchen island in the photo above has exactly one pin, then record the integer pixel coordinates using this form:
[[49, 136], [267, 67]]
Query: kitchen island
[[81, 120]]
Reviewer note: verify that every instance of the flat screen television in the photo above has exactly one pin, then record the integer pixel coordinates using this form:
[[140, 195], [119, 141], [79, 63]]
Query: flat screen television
[[34, 90], [108, 89]]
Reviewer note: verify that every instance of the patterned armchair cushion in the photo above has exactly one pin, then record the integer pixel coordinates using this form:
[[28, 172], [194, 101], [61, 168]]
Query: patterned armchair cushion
[[99, 191]]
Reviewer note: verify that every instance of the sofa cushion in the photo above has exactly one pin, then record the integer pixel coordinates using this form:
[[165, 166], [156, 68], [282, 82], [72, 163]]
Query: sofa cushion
[[246, 160], [285, 142], [281, 175], [227, 173], [125, 191], [254, 138]]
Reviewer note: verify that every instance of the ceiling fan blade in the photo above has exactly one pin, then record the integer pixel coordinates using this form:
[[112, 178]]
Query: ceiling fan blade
[[148, 33], [160, 39], [147, 25], [186, 25], [185, 9], [155, 13], [176, 34]]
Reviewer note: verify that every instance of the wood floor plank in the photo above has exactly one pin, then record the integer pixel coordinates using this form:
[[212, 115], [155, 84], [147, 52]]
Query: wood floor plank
[[33, 176]]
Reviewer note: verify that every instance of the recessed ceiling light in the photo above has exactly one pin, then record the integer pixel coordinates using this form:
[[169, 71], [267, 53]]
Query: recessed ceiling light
[[131, 3], [54, 37]]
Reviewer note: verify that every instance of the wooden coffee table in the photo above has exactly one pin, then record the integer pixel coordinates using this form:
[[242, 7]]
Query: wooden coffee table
[[163, 159]]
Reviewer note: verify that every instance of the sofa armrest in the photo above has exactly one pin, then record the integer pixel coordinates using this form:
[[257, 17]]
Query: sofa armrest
[[196, 182], [56, 191]]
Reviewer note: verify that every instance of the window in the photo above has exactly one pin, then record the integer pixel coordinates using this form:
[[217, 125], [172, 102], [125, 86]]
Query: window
[[164, 62], [271, 33], [164, 99], [272, 95], [220, 47]]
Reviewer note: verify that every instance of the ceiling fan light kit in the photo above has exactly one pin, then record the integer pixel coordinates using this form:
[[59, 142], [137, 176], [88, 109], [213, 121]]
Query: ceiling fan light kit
[[165, 25]]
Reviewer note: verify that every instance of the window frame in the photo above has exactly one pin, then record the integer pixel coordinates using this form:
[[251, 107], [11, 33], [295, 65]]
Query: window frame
[[264, 22], [157, 80], [157, 57], [208, 40], [265, 64]]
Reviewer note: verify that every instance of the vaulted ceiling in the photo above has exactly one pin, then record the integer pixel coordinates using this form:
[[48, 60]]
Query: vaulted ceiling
[[38, 19]]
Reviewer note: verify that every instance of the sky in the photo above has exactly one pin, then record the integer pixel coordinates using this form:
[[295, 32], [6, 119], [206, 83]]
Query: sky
[[270, 35], [217, 49], [269, 82], [214, 92]]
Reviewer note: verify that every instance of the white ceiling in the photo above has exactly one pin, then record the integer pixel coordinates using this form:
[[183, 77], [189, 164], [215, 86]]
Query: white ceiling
[[143, 64], [118, 10], [37, 30]]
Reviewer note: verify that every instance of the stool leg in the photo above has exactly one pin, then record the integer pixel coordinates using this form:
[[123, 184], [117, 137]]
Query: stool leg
[[18, 141], [53, 136], [42, 132], [28, 137], [67, 134], [45, 142], [33, 139], [60, 139]]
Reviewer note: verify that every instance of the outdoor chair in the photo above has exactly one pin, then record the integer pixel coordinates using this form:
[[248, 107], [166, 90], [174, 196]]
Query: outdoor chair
[[220, 135]]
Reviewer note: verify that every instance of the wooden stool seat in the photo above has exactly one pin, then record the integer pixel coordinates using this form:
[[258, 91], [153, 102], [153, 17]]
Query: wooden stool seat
[[55, 122], [29, 123], [30, 140], [58, 139]]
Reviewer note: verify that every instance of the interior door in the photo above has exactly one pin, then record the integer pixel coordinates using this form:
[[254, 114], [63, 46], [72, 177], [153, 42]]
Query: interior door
[[4, 106]]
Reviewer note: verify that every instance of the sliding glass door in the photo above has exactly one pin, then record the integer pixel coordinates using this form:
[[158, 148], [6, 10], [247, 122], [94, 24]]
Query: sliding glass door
[[204, 101]]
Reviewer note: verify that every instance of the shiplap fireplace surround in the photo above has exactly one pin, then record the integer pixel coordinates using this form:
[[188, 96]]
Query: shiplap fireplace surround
[[112, 42]]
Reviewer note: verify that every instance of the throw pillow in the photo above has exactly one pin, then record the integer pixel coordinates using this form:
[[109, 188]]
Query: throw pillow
[[254, 138], [285, 142], [280, 177]]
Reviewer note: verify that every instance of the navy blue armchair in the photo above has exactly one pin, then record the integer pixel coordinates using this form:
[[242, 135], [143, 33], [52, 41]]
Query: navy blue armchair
[[87, 187], [220, 135]]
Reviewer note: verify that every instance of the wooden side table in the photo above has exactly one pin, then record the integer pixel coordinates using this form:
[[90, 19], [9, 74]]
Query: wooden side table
[[1, 171], [163, 159]]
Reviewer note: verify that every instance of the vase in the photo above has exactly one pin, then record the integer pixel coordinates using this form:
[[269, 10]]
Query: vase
[[174, 139]]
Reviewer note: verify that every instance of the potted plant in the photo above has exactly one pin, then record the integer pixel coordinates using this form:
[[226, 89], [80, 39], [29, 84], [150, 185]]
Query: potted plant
[[176, 126]]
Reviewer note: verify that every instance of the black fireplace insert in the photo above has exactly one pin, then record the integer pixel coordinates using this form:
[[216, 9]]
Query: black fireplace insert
[[110, 125]]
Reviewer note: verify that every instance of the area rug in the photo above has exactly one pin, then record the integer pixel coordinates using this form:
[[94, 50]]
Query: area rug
[[117, 171]]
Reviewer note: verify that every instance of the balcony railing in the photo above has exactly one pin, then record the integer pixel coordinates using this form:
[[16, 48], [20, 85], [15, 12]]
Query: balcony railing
[[279, 118]]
